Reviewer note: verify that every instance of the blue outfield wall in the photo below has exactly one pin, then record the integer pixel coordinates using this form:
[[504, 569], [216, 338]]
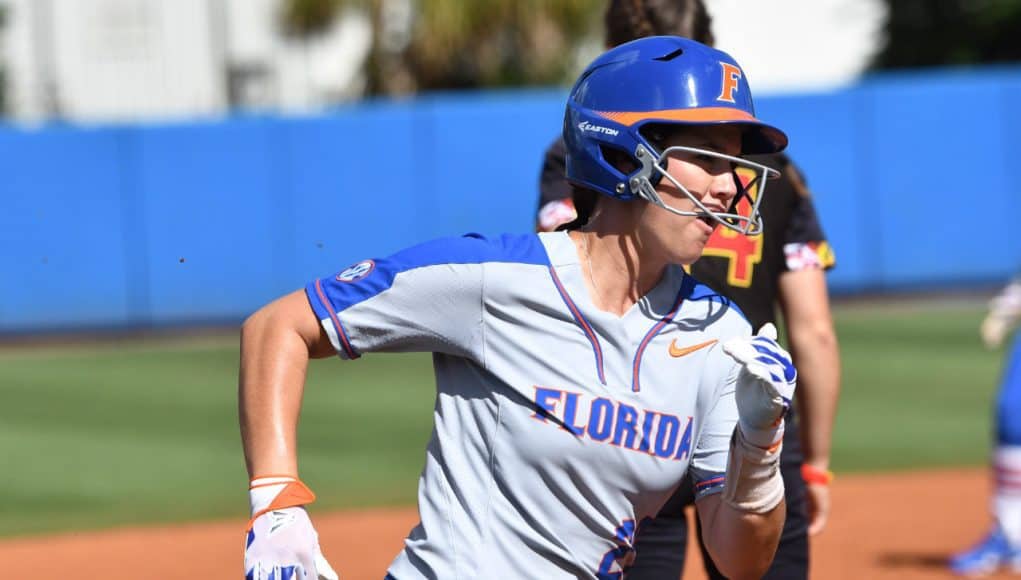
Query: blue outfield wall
[[203, 222]]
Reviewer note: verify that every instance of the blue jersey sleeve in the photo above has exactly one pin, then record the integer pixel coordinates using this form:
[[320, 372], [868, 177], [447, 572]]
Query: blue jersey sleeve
[[427, 298]]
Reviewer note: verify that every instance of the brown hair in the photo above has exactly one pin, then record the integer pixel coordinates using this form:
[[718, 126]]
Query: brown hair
[[627, 20]]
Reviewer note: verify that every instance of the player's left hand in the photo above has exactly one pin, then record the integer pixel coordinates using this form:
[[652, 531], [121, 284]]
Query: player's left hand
[[283, 545], [818, 507], [765, 385]]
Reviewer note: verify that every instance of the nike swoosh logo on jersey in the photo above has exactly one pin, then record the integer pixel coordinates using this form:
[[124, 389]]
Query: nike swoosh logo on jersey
[[678, 352]]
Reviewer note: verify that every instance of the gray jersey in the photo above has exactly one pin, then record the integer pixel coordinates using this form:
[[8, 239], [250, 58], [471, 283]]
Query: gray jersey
[[558, 427]]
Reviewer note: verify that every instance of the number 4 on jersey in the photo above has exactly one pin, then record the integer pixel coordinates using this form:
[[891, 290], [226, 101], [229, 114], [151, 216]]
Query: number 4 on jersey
[[742, 252]]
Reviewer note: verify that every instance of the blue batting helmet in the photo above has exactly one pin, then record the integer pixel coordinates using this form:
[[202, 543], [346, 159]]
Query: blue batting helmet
[[654, 80]]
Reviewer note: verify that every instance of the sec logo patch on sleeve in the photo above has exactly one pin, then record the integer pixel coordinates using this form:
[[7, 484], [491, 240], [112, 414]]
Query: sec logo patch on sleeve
[[356, 272]]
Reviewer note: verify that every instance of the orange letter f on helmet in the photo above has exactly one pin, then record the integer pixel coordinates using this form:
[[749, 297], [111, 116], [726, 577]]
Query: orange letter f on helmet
[[731, 76]]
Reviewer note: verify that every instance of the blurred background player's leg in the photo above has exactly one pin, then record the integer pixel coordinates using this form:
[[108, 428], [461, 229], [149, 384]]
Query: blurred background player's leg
[[1002, 545], [1007, 462]]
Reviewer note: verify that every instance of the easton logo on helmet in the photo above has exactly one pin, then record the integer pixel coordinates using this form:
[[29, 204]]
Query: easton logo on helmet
[[586, 126], [356, 272]]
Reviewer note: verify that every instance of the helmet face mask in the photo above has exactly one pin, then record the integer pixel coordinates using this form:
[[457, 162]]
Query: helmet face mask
[[653, 168], [671, 82]]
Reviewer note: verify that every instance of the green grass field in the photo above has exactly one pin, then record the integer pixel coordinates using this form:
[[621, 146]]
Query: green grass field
[[96, 436]]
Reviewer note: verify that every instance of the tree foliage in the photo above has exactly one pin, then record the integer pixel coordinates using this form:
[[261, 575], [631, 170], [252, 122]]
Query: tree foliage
[[467, 44], [454, 44], [924, 33], [305, 18]]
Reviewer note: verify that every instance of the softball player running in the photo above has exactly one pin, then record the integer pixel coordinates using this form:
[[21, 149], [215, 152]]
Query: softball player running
[[783, 266], [581, 377]]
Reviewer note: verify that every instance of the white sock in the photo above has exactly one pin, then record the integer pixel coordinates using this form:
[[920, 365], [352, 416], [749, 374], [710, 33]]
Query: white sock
[[1007, 499]]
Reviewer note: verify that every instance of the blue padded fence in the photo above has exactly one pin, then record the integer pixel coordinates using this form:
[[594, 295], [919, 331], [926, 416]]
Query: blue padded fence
[[203, 222]]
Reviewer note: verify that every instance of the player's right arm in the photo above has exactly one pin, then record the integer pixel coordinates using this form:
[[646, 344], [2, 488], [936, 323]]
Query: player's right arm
[[276, 345], [427, 298]]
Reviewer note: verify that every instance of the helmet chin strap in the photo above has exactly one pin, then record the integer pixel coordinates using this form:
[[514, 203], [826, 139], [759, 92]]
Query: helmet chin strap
[[641, 185]]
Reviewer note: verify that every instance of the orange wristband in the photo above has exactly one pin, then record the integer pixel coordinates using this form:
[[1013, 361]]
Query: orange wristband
[[815, 475], [292, 493]]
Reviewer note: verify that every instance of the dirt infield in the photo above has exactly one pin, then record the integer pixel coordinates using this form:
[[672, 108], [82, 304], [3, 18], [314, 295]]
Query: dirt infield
[[883, 527]]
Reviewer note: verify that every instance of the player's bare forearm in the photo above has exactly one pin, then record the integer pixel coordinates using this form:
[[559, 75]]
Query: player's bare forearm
[[813, 344], [742, 544], [276, 344]]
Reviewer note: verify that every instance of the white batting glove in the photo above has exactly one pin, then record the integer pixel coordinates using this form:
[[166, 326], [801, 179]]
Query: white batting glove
[[765, 386], [1004, 311], [281, 543], [993, 330]]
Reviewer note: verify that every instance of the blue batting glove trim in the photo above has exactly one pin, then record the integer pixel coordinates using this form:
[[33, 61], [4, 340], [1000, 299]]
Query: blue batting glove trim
[[769, 349], [284, 573], [250, 539], [769, 352], [789, 372], [772, 363]]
